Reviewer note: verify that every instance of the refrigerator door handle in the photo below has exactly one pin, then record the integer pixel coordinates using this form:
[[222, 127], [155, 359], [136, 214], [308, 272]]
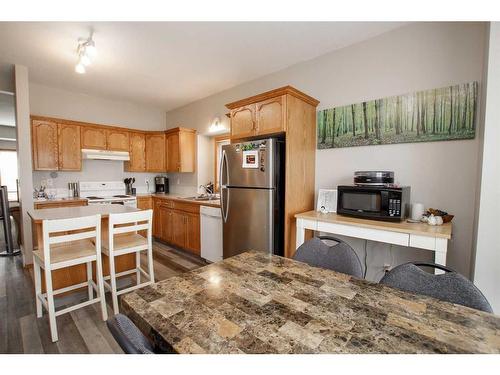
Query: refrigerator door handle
[[224, 200], [224, 170]]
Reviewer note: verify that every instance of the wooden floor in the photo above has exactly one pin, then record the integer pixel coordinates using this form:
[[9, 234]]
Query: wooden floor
[[81, 331]]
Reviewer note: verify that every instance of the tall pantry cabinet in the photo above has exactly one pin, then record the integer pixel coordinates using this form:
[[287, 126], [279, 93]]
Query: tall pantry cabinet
[[288, 112]]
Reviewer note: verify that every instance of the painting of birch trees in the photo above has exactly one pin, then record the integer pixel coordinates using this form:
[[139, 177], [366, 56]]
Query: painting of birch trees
[[433, 115]]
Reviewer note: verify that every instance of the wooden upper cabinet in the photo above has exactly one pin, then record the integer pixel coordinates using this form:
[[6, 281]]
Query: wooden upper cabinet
[[94, 137], [187, 150], [271, 116], [173, 153], [271, 112], [44, 144], [243, 121], [117, 140], [70, 154], [181, 150], [137, 151], [57, 145], [155, 152]]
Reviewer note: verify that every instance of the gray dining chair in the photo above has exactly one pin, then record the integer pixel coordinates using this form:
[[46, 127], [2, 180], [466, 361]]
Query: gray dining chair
[[450, 286], [339, 257], [128, 336]]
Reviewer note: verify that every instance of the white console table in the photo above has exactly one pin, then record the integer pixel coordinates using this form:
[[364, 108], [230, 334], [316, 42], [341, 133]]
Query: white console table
[[418, 235]]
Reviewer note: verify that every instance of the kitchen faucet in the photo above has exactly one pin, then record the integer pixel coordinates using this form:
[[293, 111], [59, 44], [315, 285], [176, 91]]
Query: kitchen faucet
[[209, 188]]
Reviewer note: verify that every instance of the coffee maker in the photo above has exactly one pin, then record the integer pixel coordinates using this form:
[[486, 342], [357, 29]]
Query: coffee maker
[[161, 184]]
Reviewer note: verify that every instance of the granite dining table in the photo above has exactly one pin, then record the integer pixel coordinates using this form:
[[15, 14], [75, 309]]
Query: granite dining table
[[260, 303]]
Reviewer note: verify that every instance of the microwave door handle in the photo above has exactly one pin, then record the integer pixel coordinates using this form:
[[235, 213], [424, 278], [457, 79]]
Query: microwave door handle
[[384, 201]]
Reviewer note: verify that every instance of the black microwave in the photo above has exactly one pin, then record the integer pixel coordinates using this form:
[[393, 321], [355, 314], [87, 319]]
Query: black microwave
[[374, 202]]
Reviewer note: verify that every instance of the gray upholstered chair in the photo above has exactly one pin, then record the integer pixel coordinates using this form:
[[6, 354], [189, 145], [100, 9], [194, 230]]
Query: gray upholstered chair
[[450, 286], [128, 336], [339, 257]]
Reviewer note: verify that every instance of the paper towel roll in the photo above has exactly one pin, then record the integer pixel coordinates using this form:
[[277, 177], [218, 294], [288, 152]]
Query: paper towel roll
[[417, 211]]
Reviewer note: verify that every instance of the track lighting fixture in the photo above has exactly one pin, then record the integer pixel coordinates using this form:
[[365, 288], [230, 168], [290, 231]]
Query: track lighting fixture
[[86, 53]]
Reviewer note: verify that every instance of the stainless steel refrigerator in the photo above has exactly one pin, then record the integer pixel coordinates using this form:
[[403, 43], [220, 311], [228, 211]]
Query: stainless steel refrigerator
[[252, 196]]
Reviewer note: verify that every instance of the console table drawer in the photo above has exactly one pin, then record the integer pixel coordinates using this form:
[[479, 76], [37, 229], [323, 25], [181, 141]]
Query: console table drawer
[[422, 242], [394, 238]]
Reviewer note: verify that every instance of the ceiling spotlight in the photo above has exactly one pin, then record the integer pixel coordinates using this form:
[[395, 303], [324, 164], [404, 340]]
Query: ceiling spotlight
[[85, 60], [86, 53], [90, 49], [80, 68]]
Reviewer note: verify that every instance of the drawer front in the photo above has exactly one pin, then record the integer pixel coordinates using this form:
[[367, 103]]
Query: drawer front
[[422, 242], [166, 203], [42, 205], [187, 207], [144, 203], [394, 238]]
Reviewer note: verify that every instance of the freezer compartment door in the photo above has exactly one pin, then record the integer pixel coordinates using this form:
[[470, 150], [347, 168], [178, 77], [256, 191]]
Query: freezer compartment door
[[248, 220], [249, 164]]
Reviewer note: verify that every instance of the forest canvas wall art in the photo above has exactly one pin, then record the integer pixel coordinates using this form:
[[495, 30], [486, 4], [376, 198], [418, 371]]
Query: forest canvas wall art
[[433, 115]]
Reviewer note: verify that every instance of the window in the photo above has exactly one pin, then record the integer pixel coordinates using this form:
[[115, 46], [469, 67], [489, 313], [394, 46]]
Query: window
[[8, 173]]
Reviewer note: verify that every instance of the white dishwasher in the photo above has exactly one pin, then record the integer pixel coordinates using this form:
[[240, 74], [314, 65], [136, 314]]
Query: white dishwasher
[[211, 233]]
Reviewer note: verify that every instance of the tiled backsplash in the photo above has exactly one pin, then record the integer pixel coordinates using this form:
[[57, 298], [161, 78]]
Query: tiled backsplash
[[92, 170]]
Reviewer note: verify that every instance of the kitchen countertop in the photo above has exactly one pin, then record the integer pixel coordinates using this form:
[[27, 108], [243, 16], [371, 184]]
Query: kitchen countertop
[[176, 197], [59, 200], [73, 212], [259, 303]]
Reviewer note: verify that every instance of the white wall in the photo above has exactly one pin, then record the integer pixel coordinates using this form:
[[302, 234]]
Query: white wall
[[54, 102], [487, 261], [415, 57], [24, 158], [50, 101]]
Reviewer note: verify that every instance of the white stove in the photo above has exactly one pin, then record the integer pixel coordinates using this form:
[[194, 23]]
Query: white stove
[[106, 193]]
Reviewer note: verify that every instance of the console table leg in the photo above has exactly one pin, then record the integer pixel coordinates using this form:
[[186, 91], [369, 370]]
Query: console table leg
[[300, 233], [440, 254]]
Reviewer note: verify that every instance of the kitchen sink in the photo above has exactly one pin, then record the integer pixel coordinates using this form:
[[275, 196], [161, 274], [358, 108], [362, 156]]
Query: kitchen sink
[[202, 198]]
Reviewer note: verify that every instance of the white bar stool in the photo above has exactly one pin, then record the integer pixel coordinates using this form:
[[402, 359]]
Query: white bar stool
[[122, 238], [61, 250]]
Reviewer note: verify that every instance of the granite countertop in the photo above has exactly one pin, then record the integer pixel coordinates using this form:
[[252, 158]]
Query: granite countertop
[[104, 210], [258, 303], [176, 197]]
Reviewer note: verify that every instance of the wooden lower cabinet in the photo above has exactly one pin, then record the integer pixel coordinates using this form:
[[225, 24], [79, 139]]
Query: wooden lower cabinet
[[145, 203], [179, 228], [167, 230], [177, 223], [193, 233]]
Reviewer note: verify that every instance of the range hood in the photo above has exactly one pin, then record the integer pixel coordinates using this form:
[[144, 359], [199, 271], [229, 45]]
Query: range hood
[[105, 154]]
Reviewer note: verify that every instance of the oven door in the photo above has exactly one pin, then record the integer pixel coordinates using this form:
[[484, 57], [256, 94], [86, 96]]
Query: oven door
[[370, 203]]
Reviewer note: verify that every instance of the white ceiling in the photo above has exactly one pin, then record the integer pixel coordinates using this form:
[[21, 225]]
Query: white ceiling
[[170, 64]]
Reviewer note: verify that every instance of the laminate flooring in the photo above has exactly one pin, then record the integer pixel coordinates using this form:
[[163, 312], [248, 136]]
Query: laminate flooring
[[81, 331]]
